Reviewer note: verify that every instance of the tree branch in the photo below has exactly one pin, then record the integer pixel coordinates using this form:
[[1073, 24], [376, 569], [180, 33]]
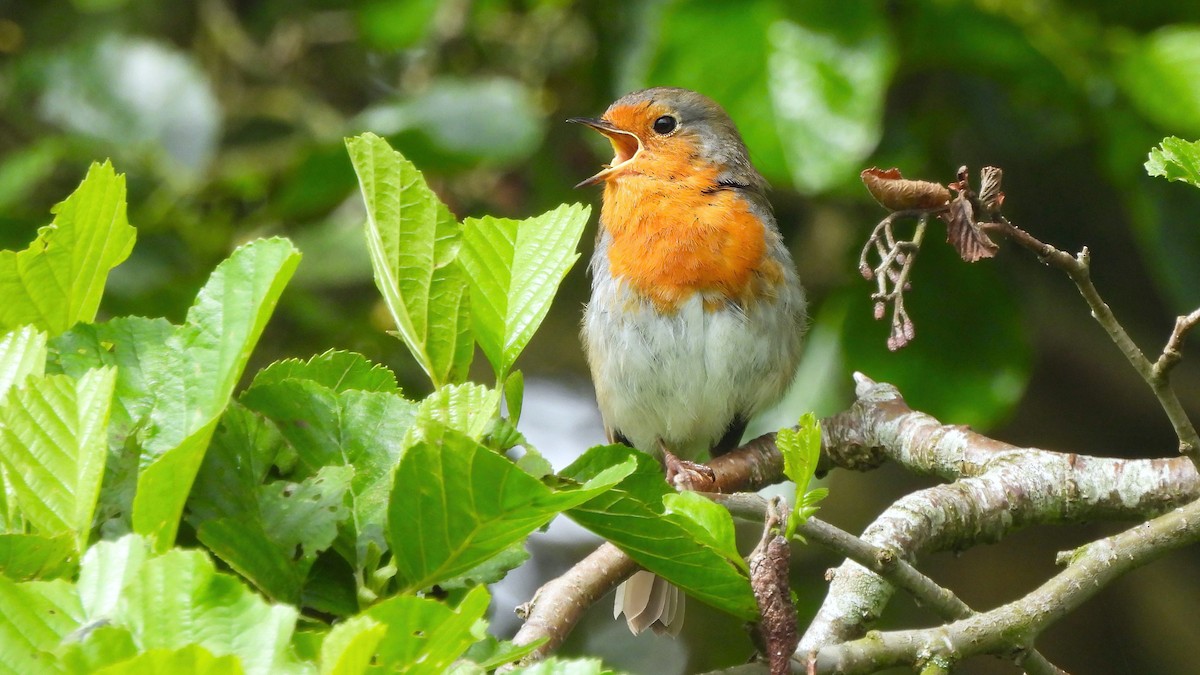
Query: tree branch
[[1078, 268], [998, 488], [1091, 568]]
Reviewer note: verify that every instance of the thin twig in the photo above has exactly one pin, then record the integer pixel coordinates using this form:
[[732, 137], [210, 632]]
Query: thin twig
[[1078, 267]]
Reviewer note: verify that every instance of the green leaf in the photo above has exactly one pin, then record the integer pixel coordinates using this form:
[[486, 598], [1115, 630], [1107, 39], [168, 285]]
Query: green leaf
[[491, 570], [337, 370], [514, 395], [53, 443], [362, 429], [34, 556], [190, 659], [426, 636], [709, 523], [22, 353], [95, 646], [631, 516], [490, 653], [34, 618], [466, 408], [107, 567], [350, 646], [413, 240], [178, 599], [59, 279], [274, 541], [456, 504], [829, 74], [514, 268], [195, 375], [1176, 159], [801, 450]]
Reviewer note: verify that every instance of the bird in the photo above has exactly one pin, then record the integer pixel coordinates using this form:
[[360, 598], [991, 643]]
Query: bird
[[696, 317]]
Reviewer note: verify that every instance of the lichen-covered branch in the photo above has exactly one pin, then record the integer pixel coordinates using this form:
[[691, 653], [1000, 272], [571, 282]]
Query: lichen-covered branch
[[1090, 569], [997, 488]]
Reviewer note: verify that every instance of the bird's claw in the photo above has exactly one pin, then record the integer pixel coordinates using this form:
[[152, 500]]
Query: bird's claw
[[686, 475]]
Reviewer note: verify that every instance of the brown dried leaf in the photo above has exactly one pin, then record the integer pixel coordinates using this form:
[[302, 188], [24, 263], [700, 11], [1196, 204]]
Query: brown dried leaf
[[990, 196], [964, 234], [896, 193]]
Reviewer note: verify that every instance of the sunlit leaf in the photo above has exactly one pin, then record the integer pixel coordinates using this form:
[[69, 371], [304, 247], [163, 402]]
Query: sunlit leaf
[[707, 521], [59, 279], [191, 659], [413, 240], [514, 268], [467, 408], [53, 443], [425, 636], [197, 373], [1176, 159], [34, 618], [22, 353], [34, 556]]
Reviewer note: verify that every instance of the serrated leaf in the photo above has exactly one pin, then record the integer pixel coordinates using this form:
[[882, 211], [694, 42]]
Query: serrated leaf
[[362, 429], [178, 599], [708, 522], [491, 570], [456, 504], [1176, 159], [190, 659], [631, 516], [33, 556], [22, 353], [34, 618], [194, 379], [801, 450], [413, 240], [53, 441], [426, 636], [59, 279], [338, 370], [514, 268], [467, 408], [350, 646]]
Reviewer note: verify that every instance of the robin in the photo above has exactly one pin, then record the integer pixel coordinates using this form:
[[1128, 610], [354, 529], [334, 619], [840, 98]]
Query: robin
[[696, 315]]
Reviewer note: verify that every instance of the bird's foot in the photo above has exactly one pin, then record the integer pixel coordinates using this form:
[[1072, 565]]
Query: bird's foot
[[687, 475]]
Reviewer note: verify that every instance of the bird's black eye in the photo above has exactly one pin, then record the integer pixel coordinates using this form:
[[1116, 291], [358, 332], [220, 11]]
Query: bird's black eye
[[664, 125]]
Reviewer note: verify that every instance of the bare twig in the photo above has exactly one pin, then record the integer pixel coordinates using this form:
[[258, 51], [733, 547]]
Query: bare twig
[[1078, 267]]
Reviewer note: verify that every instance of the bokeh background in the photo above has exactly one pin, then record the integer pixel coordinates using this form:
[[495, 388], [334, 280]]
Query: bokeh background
[[228, 117]]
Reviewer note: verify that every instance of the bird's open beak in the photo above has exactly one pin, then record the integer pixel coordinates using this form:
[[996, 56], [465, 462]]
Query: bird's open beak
[[625, 146]]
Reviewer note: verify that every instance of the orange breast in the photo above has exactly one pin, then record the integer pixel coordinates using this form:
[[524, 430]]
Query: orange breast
[[671, 239]]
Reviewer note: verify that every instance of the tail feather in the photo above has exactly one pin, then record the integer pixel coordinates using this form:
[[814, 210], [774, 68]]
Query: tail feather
[[649, 601]]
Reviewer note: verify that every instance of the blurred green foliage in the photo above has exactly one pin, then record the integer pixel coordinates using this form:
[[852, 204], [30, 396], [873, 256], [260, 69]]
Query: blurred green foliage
[[228, 118]]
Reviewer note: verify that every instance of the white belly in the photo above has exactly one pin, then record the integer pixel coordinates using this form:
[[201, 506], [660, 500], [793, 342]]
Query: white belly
[[682, 378]]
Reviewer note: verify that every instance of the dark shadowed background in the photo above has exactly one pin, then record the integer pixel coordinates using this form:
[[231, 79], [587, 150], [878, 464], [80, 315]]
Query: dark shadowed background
[[228, 119]]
